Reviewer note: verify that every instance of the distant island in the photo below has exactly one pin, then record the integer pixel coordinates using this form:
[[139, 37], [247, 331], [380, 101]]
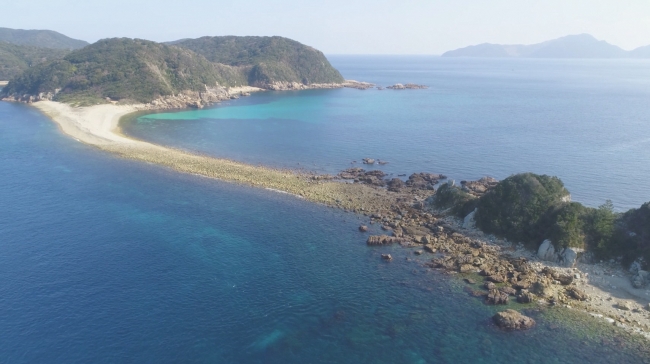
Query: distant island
[[572, 46]]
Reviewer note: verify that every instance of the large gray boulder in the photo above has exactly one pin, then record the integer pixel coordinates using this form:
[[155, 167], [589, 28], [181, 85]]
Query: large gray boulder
[[546, 252], [568, 257], [640, 279], [469, 222]]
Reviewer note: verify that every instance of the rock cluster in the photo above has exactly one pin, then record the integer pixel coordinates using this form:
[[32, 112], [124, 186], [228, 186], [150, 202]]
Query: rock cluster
[[513, 320], [480, 187], [566, 257], [424, 180], [411, 86]]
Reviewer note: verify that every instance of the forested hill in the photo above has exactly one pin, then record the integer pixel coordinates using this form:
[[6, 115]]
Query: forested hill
[[143, 71], [14, 59], [40, 38], [122, 68], [271, 59]]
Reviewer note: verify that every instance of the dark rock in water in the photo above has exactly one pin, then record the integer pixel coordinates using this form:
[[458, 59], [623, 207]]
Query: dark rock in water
[[430, 248], [418, 252], [363, 228], [382, 162], [368, 161], [408, 86], [513, 320], [489, 285], [385, 240], [386, 257], [469, 281], [496, 297], [525, 297]]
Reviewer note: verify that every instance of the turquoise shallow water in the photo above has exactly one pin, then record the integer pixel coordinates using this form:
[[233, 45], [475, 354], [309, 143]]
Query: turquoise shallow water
[[105, 260], [585, 121]]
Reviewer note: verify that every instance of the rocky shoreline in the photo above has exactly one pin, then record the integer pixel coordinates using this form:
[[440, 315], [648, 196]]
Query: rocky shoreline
[[401, 208]]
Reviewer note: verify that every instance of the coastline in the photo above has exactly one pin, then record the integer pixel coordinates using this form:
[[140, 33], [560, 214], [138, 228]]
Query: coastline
[[98, 126]]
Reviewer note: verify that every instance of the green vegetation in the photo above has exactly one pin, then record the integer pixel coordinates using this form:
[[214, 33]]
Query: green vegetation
[[631, 237], [459, 202], [40, 38], [270, 59], [124, 68], [14, 59], [139, 70], [529, 208], [518, 208]]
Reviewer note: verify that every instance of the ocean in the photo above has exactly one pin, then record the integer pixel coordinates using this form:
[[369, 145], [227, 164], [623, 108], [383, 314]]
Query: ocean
[[585, 121], [107, 260]]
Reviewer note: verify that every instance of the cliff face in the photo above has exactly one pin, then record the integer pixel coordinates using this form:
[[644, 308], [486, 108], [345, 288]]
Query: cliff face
[[141, 71]]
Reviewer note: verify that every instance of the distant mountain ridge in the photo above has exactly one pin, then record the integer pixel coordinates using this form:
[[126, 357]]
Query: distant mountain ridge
[[14, 59], [40, 38], [571, 46]]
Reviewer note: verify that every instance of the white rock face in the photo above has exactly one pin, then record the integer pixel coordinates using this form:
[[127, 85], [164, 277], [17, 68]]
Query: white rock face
[[469, 222], [546, 251], [568, 257]]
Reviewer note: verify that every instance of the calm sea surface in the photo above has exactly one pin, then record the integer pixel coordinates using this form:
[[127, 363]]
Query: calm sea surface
[[587, 122], [104, 260]]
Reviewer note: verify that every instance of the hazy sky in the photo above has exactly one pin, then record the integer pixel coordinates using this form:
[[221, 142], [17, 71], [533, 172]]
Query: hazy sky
[[342, 26]]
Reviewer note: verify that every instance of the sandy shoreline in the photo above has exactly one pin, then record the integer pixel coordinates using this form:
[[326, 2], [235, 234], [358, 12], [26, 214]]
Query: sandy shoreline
[[99, 126]]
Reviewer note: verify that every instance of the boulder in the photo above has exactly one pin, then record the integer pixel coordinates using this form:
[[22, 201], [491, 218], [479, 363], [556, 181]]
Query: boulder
[[640, 279], [468, 221], [496, 297], [396, 185], [568, 257], [489, 286], [368, 161], [386, 257], [508, 290], [546, 251], [576, 294], [363, 228], [525, 297], [624, 305], [513, 320]]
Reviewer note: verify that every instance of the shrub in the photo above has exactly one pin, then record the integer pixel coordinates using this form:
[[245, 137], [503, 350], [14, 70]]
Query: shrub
[[518, 207], [459, 202]]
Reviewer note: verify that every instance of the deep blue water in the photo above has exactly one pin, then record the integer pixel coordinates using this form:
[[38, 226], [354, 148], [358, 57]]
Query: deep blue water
[[586, 121], [105, 260]]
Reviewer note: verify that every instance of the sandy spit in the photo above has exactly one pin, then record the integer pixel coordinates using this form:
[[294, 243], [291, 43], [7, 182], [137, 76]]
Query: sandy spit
[[99, 126]]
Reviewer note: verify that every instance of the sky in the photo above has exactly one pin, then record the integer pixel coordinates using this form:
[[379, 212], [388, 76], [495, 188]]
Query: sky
[[342, 26]]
